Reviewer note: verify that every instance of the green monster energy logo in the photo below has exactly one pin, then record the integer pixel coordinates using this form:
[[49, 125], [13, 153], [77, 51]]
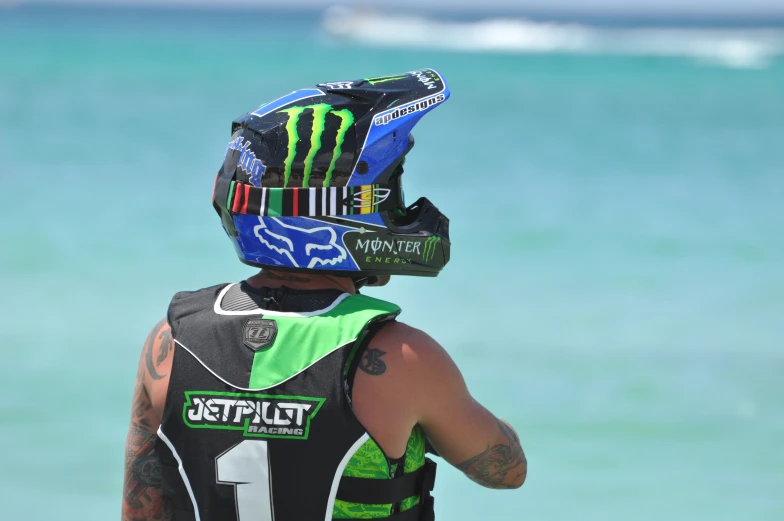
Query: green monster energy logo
[[384, 79], [320, 111], [430, 248]]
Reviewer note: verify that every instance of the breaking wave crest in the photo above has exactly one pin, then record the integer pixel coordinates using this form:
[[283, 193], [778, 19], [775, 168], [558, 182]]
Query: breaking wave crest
[[739, 48]]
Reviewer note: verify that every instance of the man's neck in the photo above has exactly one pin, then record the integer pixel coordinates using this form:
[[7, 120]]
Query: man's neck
[[274, 279]]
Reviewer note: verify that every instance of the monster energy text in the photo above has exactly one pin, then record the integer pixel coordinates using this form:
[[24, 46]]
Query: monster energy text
[[320, 111], [397, 251], [395, 247]]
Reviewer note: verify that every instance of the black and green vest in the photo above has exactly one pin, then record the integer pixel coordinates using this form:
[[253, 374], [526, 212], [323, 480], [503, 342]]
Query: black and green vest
[[258, 424]]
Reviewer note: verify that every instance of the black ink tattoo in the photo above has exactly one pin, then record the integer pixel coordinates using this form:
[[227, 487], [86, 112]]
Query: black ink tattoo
[[142, 405], [166, 343], [161, 335], [147, 470], [142, 495], [143, 498], [290, 278], [500, 466], [371, 362]]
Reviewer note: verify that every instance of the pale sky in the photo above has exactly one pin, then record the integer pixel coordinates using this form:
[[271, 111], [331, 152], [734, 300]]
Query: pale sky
[[656, 7]]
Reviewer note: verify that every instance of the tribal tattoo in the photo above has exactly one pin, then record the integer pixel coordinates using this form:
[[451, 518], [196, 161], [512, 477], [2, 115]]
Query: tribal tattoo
[[143, 499], [500, 466], [371, 362], [160, 337]]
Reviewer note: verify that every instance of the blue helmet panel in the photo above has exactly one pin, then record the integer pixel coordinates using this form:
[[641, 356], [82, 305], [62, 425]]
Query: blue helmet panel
[[293, 242], [387, 137]]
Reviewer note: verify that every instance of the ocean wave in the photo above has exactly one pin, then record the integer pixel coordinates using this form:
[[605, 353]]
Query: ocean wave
[[738, 48]]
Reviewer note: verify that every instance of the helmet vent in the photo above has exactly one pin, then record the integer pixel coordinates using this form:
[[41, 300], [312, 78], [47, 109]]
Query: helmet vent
[[362, 167]]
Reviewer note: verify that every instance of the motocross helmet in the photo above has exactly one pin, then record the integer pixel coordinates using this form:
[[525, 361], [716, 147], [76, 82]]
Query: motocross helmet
[[312, 181]]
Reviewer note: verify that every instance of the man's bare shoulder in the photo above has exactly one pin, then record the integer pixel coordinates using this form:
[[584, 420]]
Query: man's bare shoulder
[[411, 353], [400, 371], [412, 345]]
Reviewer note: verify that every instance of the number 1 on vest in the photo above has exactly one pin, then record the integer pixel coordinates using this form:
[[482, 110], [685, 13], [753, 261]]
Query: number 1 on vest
[[246, 466]]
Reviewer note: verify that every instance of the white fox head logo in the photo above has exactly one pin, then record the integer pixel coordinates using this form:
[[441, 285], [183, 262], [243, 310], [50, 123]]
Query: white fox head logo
[[305, 248]]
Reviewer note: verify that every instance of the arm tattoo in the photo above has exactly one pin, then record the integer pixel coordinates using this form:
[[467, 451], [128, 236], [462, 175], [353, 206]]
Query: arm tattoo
[[142, 407], [160, 335], [492, 467], [142, 496], [371, 362]]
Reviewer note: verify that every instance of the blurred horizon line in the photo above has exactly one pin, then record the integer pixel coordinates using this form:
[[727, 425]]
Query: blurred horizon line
[[724, 15]]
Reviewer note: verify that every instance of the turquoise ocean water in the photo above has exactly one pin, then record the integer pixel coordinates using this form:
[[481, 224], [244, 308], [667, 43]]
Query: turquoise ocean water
[[616, 288]]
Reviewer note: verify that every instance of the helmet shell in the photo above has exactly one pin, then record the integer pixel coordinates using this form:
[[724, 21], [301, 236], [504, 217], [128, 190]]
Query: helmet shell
[[326, 165]]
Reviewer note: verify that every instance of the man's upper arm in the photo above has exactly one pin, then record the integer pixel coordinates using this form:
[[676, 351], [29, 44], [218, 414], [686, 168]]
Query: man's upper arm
[[463, 432], [142, 497]]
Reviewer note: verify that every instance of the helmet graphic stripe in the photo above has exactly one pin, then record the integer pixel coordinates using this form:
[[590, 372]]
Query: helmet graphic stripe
[[235, 206], [287, 207], [231, 193], [362, 196], [238, 193], [319, 203], [346, 120], [366, 198], [295, 202], [263, 206], [255, 200], [245, 198], [303, 200], [239, 197], [312, 202], [275, 208], [383, 79]]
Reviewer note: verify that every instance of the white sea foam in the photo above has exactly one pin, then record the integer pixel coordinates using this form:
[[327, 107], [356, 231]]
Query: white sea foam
[[741, 48]]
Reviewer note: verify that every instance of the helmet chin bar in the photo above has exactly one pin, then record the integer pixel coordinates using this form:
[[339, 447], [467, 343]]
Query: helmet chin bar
[[421, 216]]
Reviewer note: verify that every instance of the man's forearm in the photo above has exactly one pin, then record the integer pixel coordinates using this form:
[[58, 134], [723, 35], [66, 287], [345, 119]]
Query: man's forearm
[[142, 496], [501, 466]]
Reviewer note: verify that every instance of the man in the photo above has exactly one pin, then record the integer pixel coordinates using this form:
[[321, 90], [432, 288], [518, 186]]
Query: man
[[290, 396]]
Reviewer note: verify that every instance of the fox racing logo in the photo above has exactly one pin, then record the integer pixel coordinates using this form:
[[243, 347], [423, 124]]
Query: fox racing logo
[[305, 248]]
